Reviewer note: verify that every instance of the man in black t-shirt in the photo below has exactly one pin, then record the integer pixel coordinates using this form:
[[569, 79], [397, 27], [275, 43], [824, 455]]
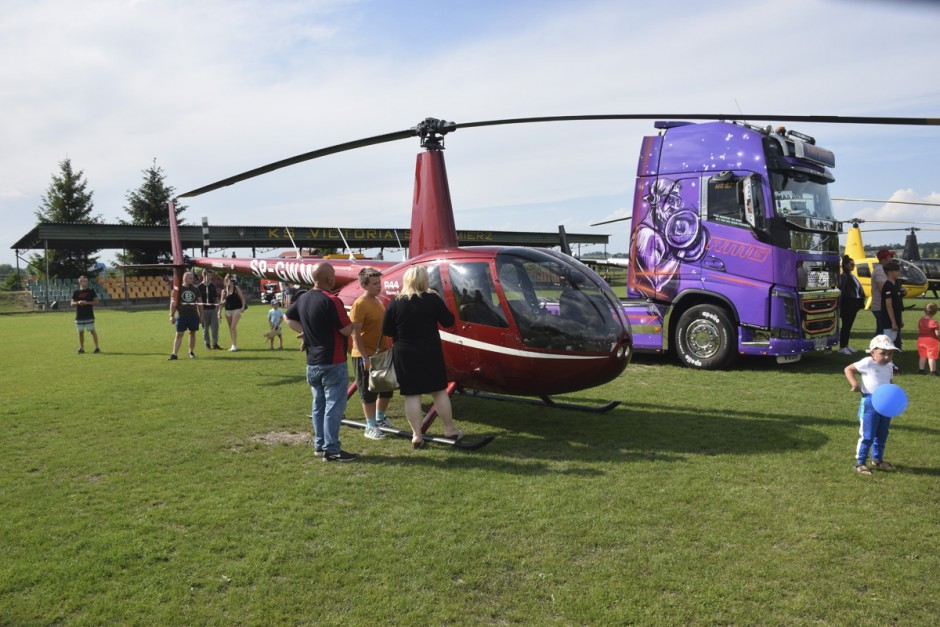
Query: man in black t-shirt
[[187, 303], [892, 305], [84, 299]]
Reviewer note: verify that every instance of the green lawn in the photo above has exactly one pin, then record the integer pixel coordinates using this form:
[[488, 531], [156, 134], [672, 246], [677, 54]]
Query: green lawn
[[139, 491]]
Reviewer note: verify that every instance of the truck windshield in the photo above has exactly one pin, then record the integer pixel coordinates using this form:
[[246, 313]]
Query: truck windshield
[[800, 195]]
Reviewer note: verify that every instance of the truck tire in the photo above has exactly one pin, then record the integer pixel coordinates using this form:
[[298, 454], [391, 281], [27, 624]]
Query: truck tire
[[705, 338]]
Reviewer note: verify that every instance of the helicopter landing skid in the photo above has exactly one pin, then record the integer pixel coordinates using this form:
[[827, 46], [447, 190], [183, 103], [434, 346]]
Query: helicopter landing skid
[[462, 443], [543, 400]]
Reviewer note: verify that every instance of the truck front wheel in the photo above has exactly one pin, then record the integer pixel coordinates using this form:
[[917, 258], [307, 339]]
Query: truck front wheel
[[705, 338]]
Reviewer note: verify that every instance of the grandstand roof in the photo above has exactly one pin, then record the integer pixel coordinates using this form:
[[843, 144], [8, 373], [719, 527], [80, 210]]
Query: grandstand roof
[[65, 235]]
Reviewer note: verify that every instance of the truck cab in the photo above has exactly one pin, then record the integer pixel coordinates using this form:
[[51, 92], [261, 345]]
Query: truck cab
[[734, 247]]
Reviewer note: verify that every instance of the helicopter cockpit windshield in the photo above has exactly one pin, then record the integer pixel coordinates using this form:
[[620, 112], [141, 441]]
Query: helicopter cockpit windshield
[[559, 304]]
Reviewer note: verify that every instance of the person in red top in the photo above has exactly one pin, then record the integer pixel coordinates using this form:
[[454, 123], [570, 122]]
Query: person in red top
[[321, 319], [928, 340]]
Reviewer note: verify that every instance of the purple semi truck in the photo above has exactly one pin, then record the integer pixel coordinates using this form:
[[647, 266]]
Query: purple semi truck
[[734, 247]]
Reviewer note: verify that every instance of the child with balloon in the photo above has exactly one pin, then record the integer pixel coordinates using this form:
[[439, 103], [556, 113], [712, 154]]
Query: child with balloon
[[881, 401]]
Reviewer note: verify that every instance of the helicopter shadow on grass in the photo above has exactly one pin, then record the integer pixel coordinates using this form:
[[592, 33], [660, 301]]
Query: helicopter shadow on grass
[[637, 432], [810, 363]]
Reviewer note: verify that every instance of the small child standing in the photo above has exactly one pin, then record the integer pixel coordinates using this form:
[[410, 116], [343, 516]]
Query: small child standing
[[928, 340], [875, 370], [275, 316]]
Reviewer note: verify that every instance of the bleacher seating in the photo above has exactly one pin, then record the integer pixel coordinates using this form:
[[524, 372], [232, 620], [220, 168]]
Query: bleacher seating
[[108, 289]]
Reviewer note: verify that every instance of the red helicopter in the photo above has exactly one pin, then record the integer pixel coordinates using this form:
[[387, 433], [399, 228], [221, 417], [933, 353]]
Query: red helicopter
[[530, 322]]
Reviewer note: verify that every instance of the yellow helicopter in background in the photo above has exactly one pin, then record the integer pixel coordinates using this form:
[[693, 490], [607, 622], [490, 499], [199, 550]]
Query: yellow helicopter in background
[[913, 280]]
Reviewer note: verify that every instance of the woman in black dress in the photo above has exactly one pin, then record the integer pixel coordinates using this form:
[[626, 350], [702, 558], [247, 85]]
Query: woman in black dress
[[851, 300], [411, 321]]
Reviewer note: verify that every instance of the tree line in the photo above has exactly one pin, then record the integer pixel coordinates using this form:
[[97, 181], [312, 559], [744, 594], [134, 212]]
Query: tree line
[[68, 200]]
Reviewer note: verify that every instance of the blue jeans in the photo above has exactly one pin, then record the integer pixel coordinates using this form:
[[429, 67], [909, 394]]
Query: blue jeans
[[328, 385], [872, 432]]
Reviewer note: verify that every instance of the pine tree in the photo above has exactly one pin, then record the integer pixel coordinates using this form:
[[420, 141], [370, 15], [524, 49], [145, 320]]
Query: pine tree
[[67, 200], [148, 205]]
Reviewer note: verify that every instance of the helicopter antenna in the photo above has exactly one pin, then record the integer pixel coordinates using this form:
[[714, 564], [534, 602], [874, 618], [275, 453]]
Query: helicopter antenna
[[296, 250], [346, 244], [395, 231]]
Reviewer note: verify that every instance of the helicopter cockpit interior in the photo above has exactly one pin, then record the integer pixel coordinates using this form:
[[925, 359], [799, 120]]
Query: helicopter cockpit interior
[[556, 305]]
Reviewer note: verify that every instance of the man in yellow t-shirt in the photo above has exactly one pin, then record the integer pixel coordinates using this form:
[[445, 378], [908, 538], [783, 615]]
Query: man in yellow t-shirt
[[366, 315]]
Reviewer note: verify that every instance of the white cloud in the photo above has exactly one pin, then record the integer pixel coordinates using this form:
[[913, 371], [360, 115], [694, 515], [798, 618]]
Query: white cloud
[[216, 87]]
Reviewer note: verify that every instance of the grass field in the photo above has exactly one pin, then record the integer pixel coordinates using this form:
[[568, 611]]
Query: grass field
[[139, 491]]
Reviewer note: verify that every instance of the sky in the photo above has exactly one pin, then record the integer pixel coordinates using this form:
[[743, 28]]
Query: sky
[[212, 88]]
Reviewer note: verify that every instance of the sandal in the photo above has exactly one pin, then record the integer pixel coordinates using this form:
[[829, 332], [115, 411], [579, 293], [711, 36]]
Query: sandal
[[417, 443], [883, 465], [862, 469], [454, 437]]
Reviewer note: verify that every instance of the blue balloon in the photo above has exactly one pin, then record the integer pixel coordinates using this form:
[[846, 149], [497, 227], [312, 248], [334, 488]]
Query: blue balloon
[[889, 400]]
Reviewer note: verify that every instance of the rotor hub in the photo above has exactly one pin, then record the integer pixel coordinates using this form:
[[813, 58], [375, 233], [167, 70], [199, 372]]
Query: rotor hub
[[432, 131]]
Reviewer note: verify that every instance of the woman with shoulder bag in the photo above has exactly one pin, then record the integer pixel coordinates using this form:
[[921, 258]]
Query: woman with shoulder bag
[[411, 320]]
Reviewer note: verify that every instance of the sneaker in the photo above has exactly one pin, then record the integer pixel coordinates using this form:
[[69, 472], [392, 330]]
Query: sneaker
[[171, 358], [97, 350], [845, 350], [192, 355], [374, 433], [319, 452], [883, 465], [862, 469], [216, 347], [384, 423], [234, 348], [81, 351], [342, 456]]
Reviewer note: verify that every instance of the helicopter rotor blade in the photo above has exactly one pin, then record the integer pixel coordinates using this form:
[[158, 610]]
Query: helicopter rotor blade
[[822, 119], [896, 202], [612, 221], [307, 156], [910, 228], [433, 126], [857, 221]]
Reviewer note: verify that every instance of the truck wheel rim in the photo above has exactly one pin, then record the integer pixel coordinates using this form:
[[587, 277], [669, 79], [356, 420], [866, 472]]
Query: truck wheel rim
[[703, 339]]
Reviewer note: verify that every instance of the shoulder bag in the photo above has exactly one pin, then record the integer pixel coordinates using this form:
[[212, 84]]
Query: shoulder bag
[[382, 376]]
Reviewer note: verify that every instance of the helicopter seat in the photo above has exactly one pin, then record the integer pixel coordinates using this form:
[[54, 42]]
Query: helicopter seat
[[474, 308]]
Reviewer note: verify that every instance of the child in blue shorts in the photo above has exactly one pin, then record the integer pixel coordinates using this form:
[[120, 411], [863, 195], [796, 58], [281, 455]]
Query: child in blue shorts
[[875, 370]]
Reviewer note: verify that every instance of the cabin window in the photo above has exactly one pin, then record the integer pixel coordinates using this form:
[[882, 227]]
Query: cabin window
[[863, 270], [724, 202], [434, 280], [474, 294]]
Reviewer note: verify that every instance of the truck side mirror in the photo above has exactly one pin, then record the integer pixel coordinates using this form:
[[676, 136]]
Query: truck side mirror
[[749, 194]]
